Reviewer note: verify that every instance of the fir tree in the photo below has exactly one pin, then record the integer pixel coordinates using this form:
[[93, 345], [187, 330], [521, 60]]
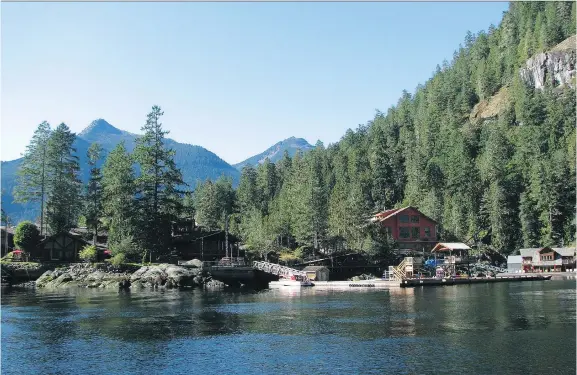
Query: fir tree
[[32, 176]]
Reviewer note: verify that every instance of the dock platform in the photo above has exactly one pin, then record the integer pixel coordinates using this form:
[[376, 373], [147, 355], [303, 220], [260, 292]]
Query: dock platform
[[473, 280]]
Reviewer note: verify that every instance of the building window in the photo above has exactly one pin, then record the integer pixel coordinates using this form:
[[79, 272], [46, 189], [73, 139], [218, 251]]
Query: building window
[[404, 218], [415, 232], [404, 232], [414, 219], [389, 231], [427, 232]]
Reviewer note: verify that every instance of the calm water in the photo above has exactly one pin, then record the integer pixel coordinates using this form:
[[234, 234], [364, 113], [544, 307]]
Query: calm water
[[507, 328]]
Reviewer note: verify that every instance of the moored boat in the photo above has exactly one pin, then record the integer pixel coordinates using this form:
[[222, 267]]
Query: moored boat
[[291, 281]]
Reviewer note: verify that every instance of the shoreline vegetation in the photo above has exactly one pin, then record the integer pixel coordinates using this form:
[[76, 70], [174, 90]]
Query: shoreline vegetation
[[499, 181]]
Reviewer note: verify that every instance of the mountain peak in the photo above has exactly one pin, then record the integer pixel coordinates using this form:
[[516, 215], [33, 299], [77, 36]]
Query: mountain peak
[[99, 126], [276, 152]]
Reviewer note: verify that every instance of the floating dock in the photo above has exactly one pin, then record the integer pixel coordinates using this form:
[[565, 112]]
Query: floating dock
[[361, 284], [411, 283], [408, 283]]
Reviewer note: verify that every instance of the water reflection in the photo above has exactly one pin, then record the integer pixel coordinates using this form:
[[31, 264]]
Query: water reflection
[[474, 328]]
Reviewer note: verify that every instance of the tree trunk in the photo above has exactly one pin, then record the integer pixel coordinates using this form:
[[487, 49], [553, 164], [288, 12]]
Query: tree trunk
[[226, 234]]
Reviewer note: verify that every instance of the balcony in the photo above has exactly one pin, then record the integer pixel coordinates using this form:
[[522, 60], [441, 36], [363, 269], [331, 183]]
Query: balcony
[[547, 263]]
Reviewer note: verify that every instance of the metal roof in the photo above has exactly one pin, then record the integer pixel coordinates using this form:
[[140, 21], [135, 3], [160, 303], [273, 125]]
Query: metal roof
[[514, 259], [444, 246], [565, 251]]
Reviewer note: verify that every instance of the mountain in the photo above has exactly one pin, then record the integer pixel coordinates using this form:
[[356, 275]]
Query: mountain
[[195, 162], [276, 152]]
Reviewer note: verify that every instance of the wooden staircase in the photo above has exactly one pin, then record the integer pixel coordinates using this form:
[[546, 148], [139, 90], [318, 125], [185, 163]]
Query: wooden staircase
[[400, 271]]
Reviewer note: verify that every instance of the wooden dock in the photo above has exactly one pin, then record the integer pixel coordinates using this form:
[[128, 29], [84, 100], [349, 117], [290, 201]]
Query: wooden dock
[[408, 283]]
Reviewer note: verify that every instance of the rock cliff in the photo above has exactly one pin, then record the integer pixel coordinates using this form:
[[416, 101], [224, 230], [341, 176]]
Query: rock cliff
[[556, 65]]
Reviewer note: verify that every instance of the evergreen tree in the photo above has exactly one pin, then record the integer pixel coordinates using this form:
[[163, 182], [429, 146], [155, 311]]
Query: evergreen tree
[[64, 196], [93, 196], [158, 195], [32, 176], [118, 192]]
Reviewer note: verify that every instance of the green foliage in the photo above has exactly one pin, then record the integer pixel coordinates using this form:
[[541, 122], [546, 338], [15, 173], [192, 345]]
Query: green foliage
[[159, 201], [32, 176], [63, 203], [93, 195], [26, 236], [118, 189], [88, 253], [118, 259], [128, 247]]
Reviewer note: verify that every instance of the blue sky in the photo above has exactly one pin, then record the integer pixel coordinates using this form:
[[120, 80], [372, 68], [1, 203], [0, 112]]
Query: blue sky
[[234, 78]]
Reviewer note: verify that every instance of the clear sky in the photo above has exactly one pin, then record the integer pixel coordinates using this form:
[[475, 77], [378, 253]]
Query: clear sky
[[234, 78]]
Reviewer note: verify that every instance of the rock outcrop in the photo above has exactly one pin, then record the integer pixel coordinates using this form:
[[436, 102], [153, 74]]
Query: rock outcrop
[[168, 276], [84, 275], [556, 65], [107, 276]]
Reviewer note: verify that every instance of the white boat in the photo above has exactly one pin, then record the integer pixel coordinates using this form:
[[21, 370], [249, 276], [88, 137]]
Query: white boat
[[291, 281]]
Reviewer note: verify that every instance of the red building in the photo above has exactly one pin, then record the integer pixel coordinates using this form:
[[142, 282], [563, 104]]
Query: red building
[[409, 227]]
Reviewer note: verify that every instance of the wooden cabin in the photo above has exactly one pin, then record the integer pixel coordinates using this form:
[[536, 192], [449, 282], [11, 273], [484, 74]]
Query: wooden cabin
[[7, 240], [190, 241], [409, 227], [62, 247]]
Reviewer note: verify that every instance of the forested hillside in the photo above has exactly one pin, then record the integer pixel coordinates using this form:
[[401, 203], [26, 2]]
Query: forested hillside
[[504, 180]]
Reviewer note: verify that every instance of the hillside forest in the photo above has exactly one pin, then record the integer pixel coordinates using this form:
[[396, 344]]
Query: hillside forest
[[500, 183]]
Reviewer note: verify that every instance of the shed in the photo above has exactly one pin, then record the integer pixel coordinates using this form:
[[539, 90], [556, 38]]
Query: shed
[[514, 263], [317, 273]]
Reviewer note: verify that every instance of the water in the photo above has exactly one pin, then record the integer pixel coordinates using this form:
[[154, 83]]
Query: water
[[503, 328]]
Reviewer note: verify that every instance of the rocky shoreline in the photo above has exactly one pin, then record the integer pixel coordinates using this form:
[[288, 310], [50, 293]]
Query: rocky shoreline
[[85, 275]]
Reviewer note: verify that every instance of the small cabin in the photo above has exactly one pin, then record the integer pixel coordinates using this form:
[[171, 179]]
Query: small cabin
[[63, 247], [317, 273]]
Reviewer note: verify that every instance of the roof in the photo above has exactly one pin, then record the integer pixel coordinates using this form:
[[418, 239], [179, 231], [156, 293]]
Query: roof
[[566, 251], [444, 246], [387, 214], [529, 252], [563, 251], [514, 259], [10, 229], [68, 234], [314, 268]]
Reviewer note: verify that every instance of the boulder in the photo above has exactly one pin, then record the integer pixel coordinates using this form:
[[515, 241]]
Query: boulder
[[215, 284], [167, 275], [193, 263]]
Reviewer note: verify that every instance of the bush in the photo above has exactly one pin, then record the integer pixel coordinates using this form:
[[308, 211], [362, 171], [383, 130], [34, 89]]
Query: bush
[[88, 253], [118, 259], [26, 236]]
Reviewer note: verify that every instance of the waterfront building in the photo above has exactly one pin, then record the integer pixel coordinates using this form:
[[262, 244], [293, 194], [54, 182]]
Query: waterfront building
[[409, 227], [317, 273], [514, 263], [190, 241], [6, 239], [546, 259], [62, 247]]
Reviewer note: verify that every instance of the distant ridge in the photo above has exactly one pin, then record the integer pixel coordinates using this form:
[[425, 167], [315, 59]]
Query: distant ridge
[[276, 152]]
